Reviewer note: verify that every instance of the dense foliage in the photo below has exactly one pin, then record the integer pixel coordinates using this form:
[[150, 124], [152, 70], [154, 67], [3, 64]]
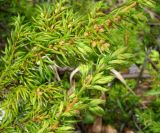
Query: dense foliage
[[60, 64]]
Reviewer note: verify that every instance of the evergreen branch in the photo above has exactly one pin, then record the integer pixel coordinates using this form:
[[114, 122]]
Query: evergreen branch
[[82, 49]]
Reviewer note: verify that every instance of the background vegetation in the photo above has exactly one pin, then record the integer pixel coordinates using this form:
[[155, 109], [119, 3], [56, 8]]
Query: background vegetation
[[88, 66]]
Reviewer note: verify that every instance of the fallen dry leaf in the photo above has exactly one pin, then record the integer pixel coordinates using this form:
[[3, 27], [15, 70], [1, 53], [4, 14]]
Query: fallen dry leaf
[[97, 126], [108, 129], [128, 131]]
